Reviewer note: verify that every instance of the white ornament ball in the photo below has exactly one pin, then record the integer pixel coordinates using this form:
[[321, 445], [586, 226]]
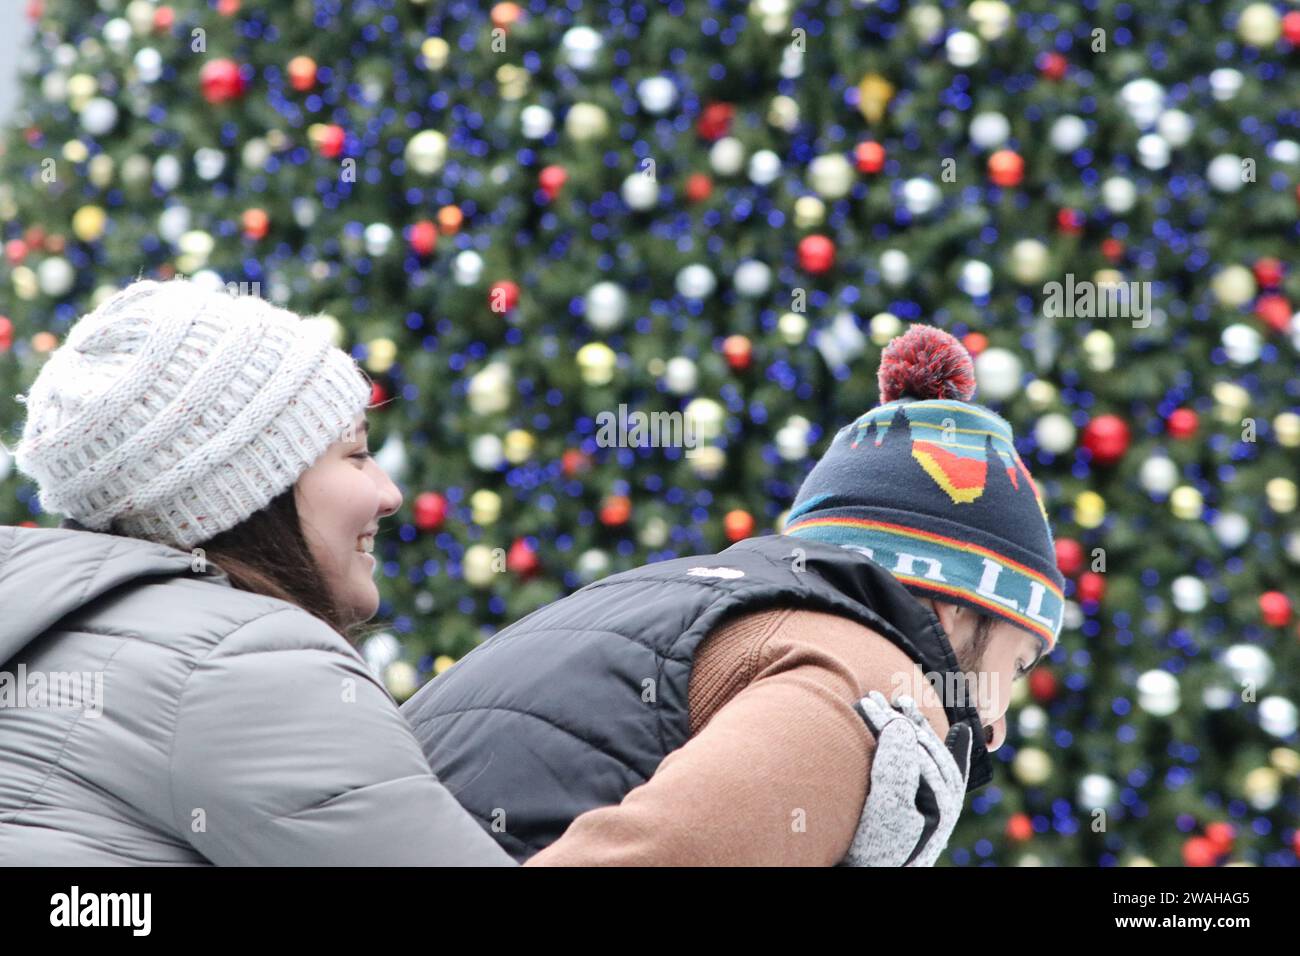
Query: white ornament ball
[[1144, 100], [752, 278], [148, 64], [1095, 791], [657, 94], [989, 130], [895, 267], [55, 276], [1189, 594], [486, 452], [209, 163], [962, 49], [1225, 83], [426, 152], [99, 116], [695, 281], [1242, 343], [1158, 475], [727, 156], [378, 238], [707, 417], [117, 35], [1225, 173], [920, 196], [1068, 133], [640, 192], [1118, 194], [1153, 151], [1277, 716], [606, 306], [490, 389], [1175, 127], [1231, 529], [536, 122], [581, 46], [1054, 433], [174, 222], [792, 439], [764, 167], [1158, 693], [680, 375], [1248, 664], [997, 374], [593, 564], [976, 279], [467, 268]]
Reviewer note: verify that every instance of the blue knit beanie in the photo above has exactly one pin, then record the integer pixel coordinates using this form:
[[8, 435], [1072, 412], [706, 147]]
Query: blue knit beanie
[[910, 485]]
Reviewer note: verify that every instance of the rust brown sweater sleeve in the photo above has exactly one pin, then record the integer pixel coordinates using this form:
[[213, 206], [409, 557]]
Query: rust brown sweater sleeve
[[776, 769]]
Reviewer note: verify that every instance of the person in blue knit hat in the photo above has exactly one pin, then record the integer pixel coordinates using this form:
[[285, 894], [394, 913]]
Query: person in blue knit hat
[[929, 485]]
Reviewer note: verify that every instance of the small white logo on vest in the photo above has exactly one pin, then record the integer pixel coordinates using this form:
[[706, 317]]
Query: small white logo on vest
[[716, 573]]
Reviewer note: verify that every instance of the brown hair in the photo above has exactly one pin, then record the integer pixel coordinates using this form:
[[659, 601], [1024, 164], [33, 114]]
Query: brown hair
[[267, 553]]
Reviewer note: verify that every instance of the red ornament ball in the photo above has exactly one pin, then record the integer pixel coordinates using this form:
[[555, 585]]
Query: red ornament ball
[[423, 237], [256, 223], [699, 187], [615, 511], [221, 81], [551, 180], [15, 251], [926, 363], [522, 559], [1268, 272], [163, 18], [1020, 828], [429, 510], [1112, 248], [503, 296], [1069, 556], [816, 254], [378, 395], [715, 122], [6, 334], [1107, 438], [1222, 835], [332, 139], [1043, 686], [574, 462], [1276, 608], [1291, 28], [302, 73], [1006, 168], [738, 525], [738, 351], [869, 157], [1070, 221], [1182, 423], [1092, 587], [1053, 65], [1199, 851], [975, 342], [1274, 310]]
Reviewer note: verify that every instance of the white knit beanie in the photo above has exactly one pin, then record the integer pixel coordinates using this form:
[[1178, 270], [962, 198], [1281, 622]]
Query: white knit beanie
[[173, 412]]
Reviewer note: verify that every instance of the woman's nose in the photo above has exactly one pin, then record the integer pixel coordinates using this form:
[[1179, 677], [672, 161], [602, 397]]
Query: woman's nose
[[392, 499]]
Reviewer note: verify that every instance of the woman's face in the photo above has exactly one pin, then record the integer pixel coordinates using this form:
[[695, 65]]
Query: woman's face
[[340, 500]]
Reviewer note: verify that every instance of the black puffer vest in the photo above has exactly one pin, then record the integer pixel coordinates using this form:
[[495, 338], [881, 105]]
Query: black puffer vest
[[576, 704]]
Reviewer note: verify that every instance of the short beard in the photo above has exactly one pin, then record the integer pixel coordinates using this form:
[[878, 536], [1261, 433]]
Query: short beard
[[971, 654]]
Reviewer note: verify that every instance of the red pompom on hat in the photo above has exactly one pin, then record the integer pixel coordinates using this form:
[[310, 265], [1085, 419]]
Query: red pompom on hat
[[926, 363]]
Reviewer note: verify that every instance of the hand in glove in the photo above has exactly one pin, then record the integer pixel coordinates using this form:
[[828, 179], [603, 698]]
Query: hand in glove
[[918, 786]]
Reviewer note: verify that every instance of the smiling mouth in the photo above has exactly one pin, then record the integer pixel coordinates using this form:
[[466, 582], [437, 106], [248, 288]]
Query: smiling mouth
[[366, 544]]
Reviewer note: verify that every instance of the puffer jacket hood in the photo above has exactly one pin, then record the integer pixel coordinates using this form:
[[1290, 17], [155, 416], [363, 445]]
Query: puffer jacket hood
[[152, 713], [47, 573]]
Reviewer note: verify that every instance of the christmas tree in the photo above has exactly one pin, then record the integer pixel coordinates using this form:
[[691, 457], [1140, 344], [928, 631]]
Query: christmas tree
[[620, 270]]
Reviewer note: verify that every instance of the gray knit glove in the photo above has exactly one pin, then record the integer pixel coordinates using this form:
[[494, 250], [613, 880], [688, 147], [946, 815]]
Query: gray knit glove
[[918, 786]]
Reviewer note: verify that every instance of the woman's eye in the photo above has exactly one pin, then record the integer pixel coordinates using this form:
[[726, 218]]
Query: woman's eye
[[363, 455]]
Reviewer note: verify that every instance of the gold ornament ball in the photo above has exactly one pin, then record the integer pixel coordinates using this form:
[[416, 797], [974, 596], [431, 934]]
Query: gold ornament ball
[[596, 363], [585, 122], [884, 327], [707, 462], [1233, 286], [380, 355], [1231, 400], [874, 94], [1285, 760], [1259, 25], [519, 445], [1029, 260], [75, 151], [1089, 509], [442, 662], [401, 680], [783, 113], [484, 506], [1041, 394], [1281, 495], [100, 170], [1186, 503], [81, 88], [809, 212], [434, 52], [426, 152], [1287, 428], [1032, 766], [792, 327], [88, 223], [992, 18], [479, 565], [512, 81], [1262, 787]]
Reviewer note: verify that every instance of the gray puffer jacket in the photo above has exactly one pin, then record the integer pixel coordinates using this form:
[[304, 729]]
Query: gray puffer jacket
[[152, 714]]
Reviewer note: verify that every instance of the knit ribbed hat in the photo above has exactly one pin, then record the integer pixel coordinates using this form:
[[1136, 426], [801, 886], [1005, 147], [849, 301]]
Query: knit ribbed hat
[[173, 411], [931, 488]]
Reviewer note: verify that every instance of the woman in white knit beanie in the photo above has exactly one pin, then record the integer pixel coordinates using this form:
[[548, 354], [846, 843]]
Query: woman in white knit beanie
[[209, 454], [192, 417]]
